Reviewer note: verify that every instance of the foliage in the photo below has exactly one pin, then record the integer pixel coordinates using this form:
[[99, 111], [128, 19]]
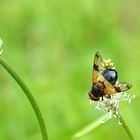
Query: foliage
[[51, 45]]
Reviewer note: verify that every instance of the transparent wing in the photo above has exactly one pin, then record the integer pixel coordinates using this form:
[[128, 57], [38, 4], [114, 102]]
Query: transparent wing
[[119, 87], [122, 86], [96, 66]]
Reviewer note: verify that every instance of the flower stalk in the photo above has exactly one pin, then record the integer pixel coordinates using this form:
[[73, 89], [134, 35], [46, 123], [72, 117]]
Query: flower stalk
[[126, 128], [29, 96], [89, 128]]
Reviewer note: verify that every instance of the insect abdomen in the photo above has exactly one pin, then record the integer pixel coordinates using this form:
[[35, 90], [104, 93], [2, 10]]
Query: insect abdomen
[[97, 90]]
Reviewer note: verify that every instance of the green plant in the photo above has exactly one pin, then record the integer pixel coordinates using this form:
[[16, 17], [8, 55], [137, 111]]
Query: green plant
[[28, 94]]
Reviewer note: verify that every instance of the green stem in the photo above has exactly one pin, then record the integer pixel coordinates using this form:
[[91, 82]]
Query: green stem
[[97, 123], [89, 128], [126, 128], [29, 96]]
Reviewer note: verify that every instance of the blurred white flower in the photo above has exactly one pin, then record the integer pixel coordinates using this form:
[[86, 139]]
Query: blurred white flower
[[1, 43]]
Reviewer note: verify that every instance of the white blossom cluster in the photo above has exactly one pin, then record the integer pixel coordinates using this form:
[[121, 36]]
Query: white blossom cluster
[[111, 104]]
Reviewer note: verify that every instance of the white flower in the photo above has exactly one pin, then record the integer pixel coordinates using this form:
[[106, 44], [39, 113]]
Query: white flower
[[1, 43], [110, 104]]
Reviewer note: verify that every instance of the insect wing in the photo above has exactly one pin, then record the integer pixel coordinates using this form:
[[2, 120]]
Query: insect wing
[[96, 66], [123, 86]]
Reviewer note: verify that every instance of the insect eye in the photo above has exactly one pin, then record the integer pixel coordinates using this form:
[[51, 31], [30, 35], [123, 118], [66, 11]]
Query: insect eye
[[110, 75]]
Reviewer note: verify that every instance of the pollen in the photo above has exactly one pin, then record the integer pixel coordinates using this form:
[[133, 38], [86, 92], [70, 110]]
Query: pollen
[[107, 64]]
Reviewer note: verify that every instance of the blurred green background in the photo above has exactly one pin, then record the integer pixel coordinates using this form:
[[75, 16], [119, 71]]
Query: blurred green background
[[51, 45]]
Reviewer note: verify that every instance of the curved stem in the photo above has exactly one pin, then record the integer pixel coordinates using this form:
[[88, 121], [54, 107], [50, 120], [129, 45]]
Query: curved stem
[[126, 128], [30, 97], [97, 123], [89, 127]]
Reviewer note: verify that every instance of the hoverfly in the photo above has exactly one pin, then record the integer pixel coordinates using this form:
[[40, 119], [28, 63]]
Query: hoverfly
[[105, 80]]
